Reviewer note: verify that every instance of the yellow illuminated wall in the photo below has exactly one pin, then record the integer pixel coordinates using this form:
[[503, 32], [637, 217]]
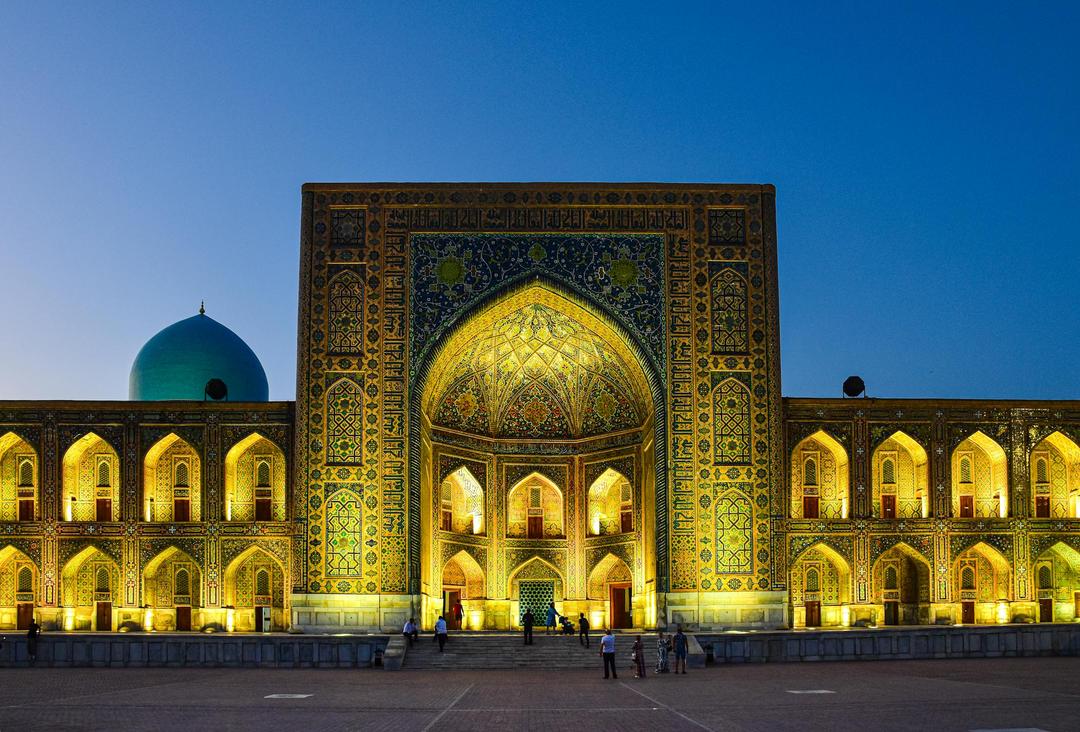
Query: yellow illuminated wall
[[1055, 474], [18, 475], [819, 467], [901, 469], [254, 465], [171, 470], [91, 470], [979, 471]]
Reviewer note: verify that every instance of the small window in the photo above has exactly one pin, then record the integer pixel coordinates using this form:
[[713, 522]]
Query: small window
[[534, 497], [813, 580], [102, 584], [103, 474], [1046, 577], [182, 583], [965, 470], [626, 496], [810, 472], [181, 475], [967, 578], [1040, 471], [26, 580], [26, 473], [262, 582], [262, 474], [892, 577], [888, 471]]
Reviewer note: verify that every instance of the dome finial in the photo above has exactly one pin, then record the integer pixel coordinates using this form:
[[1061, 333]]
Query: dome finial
[[202, 307]]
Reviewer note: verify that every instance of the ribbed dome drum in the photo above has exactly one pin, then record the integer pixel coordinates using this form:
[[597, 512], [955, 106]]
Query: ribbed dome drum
[[178, 362]]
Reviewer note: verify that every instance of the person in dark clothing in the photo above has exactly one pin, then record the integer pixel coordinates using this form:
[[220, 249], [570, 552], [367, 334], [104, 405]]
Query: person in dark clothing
[[440, 632], [583, 630], [31, 639], [527, 621]]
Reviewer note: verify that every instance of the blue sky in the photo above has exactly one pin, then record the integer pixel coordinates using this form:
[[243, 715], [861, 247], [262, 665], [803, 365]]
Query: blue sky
[[926, 158]]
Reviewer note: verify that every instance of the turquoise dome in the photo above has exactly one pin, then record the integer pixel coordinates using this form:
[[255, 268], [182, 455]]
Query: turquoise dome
[[178, 361]]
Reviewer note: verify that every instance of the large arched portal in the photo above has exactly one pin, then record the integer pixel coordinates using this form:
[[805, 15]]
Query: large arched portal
[[537, 450]]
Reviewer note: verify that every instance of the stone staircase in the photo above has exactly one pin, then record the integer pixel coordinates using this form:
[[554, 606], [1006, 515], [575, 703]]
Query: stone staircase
[[494, 650]]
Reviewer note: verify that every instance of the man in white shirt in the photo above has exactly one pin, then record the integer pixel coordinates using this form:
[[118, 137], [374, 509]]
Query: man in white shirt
[[440, 632], [410, 631], [607, 650]]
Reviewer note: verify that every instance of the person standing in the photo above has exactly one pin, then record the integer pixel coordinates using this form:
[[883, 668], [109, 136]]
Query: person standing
[[31, 639], [680, 644], [663, 645], [459, 614], [527, 621], [440, 632], [409, 631], [639, 658], [583, 630], [552, 616], [607, 650]]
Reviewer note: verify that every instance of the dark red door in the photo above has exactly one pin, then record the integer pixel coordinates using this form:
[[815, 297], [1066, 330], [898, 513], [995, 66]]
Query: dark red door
[[183, 618], [813, 614], [103, 509], [810, 506], [104, 617], [967, 507], [26, 509], [888, 507], [536, 527], [626, 521], [621, 603], [259, 620], [181, 509], [892, 613], [451, 599], [1042, 506], [25, 615], [263, 510], [1046, 611], [967, 612]]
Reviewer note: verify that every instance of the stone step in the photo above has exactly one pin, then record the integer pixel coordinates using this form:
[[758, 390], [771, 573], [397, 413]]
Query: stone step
[[507, 651]]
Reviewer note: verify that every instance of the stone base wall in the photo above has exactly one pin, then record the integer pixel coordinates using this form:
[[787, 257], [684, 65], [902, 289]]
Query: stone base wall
[[325, 613], [193, 650], [894, 644], [705, 611]]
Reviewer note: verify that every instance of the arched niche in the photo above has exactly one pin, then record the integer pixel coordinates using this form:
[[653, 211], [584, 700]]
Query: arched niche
[[19, 498], [982, 582], [1056, 580], [461, 503], [255, 475], [901, 584], [900, 479], [1055, 477], [172, 481], [820, 587], [610, 504], [820, 478], [535, 509], [172, 590], [90, 590], [980, 487], [18, 589], [254, 580], [91, 481]]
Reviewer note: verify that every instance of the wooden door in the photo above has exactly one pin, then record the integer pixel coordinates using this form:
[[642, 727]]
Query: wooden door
[[888, 507], [26, 509], [1042, 506], [626, 521], [621, 604], [259, 620], [810, 506], [813, 614], [450, 600], [183, 617], [536, 527], [1046, 611], [25, 615], [263, 510], [446, 521], [104, 617], [103, 509], [967, 507], [1076, 604], [892, 612], [967, 612], [182, 509]]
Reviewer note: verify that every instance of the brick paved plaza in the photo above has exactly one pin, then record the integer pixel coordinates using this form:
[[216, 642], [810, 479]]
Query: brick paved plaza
[[933, 695]]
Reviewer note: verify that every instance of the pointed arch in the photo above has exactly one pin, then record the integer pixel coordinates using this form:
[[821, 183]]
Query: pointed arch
[[18, 479], [245, 578], [1055, 477], [160, 579], [90, 480], [535, 568], [822, 551], [88, 578], [900, 478], [992, 574], [172, 481], [18, 585], [462, 503], [535, 508], [344, 422], [731, 422], [345, 313], [610, 507], [465, 573], [901, 575], [1056, 580], [609, 569], [820, 478], [734, 533], [980, 486], [255, 476]]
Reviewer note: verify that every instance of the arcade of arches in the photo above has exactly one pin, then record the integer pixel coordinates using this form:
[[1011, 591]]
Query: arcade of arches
[[538, 475]]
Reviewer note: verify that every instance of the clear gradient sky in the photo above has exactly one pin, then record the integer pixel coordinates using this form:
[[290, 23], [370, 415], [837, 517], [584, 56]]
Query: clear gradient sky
[[927, 161]]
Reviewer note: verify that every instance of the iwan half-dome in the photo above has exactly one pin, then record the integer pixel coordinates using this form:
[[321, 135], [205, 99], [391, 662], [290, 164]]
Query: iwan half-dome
[[181, 360]]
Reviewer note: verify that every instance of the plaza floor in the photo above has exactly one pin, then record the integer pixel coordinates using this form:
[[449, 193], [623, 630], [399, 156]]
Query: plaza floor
[[984, 694]]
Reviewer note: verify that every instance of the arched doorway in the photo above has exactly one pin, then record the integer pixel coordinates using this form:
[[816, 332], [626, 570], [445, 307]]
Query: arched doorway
[[89, 590], [982, 582], [255, 592], [534, 585], [172, 481], [901, 479], [18, 589], [820, 587], [91, 481], [255, 473], [612, 583], [18, 479], [1055, 477], [538, 439], [463, 592], [172, 592], [1057, 584], [819, 478], [979, 479], [901, 584]]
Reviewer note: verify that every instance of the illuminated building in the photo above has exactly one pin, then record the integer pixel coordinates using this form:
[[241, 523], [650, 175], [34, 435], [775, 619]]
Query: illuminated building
[[515, 393]]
